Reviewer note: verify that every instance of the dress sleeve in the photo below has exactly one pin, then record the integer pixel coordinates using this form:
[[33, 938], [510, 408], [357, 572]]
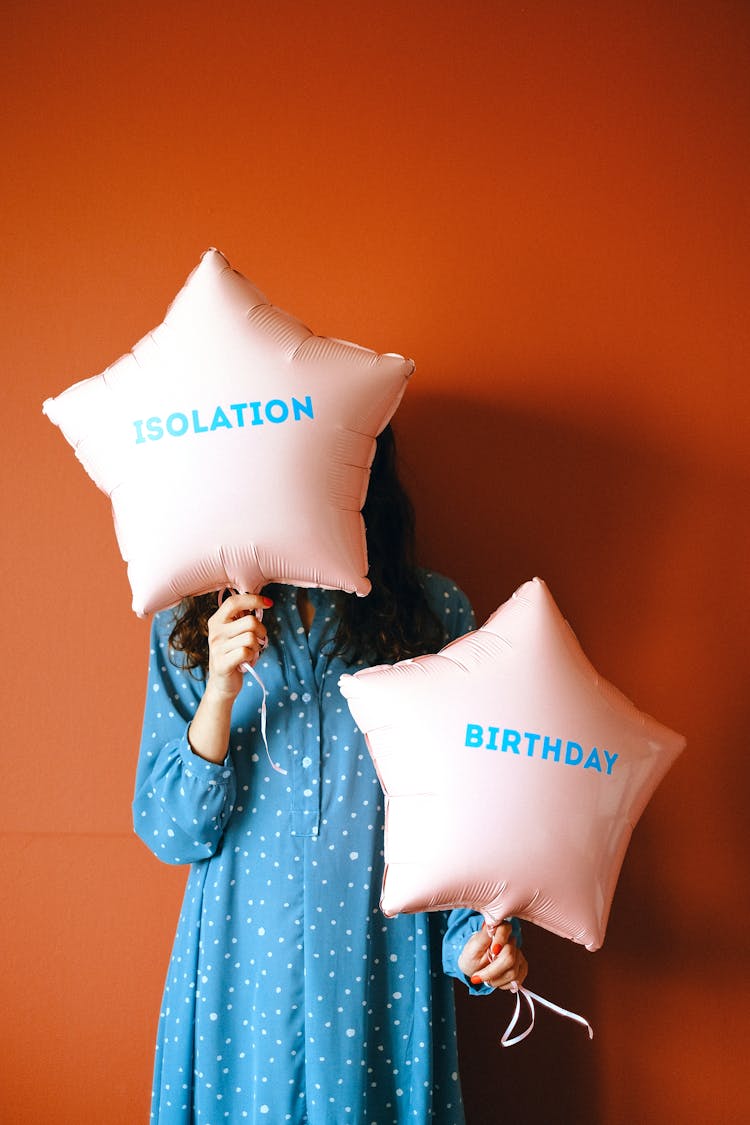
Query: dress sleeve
[[450, 605], [182, 802]]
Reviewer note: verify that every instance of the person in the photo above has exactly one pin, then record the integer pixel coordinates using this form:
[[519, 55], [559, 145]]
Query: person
[[289, 996]]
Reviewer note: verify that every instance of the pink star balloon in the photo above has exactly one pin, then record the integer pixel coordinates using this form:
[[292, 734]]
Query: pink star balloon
[[235, 445], [513, 773]]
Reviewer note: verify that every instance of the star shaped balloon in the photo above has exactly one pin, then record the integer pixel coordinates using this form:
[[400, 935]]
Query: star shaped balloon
[[513, 773], [235, 445]]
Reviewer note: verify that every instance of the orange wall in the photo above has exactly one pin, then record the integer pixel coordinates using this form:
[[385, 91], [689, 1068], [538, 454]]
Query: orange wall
[[546, 205]]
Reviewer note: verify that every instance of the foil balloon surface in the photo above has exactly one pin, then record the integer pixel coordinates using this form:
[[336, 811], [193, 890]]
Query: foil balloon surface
[[235, 445], [513, 773]]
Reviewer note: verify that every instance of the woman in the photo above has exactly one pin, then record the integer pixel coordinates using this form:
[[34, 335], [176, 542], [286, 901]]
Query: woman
[[289, 996]]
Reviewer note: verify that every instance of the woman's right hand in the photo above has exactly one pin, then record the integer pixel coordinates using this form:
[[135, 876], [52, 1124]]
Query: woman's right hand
[[235, 637]]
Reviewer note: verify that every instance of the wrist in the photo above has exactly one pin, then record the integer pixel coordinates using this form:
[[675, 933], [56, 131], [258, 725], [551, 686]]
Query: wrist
[[218, 694], [208, 734]]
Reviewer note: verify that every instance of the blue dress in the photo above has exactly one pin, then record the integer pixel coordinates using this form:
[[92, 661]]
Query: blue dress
[[289, 996]]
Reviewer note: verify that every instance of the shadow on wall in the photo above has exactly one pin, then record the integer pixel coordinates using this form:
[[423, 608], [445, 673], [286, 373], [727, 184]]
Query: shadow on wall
[[502, 496], [636, 545]]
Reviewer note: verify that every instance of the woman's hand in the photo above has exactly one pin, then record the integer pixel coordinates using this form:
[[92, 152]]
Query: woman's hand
[[496, 961], [235, 637]]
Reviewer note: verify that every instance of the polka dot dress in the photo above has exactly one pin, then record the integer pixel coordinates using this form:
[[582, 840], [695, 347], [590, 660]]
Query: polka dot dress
[[289, 996]]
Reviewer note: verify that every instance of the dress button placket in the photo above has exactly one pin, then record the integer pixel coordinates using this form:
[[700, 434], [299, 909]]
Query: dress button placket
[[305, 731]]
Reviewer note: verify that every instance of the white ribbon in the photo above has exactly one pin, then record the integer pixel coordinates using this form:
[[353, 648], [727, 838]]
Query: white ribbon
[[245, 667], [530, 997], [263, 715]]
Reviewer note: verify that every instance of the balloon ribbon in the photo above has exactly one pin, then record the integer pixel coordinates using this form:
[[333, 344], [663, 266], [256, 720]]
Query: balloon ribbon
[[530, 997], [245, 667], [263, 714]]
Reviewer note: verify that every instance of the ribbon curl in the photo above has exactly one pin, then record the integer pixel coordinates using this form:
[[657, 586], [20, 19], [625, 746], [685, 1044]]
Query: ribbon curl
[[530, 997]]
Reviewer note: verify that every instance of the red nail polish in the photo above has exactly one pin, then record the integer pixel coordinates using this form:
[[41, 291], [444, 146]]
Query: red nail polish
[[267, 602], [476, 979], [497, 949]]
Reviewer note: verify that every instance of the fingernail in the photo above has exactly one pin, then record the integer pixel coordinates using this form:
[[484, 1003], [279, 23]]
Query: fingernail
[[496, 949], [476, 979], [267, 602]]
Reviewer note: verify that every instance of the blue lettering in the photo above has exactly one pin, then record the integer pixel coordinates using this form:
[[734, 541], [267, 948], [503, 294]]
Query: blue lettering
[[511, 739], [474, 734], [299, 408], [220, 419], [532, 739], [277, 410], [573, 754], [552, 748], [173, 421], [487, 737], [239, 409], [592, 762]]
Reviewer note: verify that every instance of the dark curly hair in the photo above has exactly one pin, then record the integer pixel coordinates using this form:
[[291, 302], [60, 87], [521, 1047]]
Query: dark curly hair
[[393, 622]]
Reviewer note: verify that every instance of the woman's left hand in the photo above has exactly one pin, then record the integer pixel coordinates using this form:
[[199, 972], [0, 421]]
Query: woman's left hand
[[496, 961]]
